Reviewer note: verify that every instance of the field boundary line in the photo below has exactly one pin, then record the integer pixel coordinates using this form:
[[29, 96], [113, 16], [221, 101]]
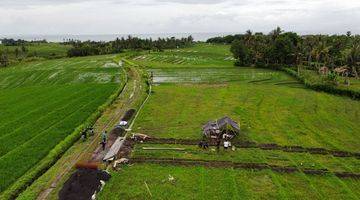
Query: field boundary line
[[263, 146], [243, 165]]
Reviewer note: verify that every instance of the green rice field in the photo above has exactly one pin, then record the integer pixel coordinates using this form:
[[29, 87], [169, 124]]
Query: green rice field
[[43, 102]]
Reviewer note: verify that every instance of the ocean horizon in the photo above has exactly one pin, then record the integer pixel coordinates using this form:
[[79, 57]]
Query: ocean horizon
[[109, 37]]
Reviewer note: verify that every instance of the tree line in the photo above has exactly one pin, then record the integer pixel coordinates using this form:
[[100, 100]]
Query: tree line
[[88, 48], [19, 42], [280, 49]]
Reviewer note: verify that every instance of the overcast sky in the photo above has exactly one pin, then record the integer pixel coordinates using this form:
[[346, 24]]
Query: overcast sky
[[173, 16]]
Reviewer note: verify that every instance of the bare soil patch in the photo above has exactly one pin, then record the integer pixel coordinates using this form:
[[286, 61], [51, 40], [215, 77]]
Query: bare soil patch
[[82, 184]]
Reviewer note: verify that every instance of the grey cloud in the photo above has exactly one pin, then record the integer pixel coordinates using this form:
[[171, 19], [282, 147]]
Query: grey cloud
[[27, 3], [156, 16], [193, 1]]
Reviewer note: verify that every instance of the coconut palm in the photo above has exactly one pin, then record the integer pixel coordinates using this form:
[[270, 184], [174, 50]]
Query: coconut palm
[[275, 33], [353, 58], [248, 37], [321, 53]]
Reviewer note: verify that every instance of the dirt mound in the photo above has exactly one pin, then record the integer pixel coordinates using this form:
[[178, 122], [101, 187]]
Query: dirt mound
[[82, 184], [128, 115], [125, 150], [118, 131]]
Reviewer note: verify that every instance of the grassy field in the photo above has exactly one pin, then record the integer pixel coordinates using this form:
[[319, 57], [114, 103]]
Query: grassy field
[[274, 109], [227, 183], [195, 85], [43, 102]]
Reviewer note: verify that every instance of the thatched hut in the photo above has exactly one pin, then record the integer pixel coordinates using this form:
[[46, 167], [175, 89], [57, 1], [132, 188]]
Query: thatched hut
[[342, 71], [222, 127], [324, 71]]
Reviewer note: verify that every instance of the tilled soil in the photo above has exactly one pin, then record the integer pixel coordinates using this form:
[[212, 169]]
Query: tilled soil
[[83, 184], [242, 165], [264, 146], [125, 150]]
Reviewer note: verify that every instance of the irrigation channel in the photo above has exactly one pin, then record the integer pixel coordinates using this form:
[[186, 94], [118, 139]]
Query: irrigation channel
[[128, 99], [263, 146]]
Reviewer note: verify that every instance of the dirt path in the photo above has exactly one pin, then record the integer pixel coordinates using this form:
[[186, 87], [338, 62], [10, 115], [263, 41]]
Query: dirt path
[[91, 150]]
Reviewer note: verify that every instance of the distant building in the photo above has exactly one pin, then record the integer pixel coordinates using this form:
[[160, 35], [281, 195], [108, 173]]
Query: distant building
[[224, 127]]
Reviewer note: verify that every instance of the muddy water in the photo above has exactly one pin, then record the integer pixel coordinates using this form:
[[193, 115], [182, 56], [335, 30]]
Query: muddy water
[[211, 75]]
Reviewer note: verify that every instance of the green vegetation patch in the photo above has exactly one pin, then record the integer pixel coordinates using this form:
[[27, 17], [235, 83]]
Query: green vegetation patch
[[35, 50], [314, 77], [200, 55], [267, 112]]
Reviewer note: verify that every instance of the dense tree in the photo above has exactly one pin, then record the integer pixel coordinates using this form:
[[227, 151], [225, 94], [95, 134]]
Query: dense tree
[[240, 52], [96, 48], [4, 60], [353, 59], [279, 48], [23, 49], [16, 52], [13, 42]]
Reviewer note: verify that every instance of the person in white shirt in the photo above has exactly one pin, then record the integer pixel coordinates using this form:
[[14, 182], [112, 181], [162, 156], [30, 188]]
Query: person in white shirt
[[226, 144]]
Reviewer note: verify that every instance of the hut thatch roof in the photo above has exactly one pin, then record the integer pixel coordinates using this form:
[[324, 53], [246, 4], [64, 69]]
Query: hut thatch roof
[[219, 126], [228, 121]]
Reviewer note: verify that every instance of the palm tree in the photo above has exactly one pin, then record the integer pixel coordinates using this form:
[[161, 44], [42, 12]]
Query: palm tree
[[321, 52], [275, 33], [248, 37], [353, 58], [309, 45]]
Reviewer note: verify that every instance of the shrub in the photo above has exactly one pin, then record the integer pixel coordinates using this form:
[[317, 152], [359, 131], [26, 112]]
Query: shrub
[[329, 88]]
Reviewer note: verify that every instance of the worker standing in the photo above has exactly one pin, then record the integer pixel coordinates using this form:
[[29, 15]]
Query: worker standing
[[226, 144], [83, 135], [91, 131], [103, 139]]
